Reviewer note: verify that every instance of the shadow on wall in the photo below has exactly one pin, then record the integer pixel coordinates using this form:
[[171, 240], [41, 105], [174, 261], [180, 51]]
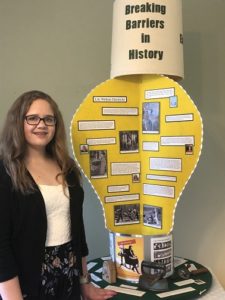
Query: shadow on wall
[[96, 233], [212, 198], [200, 214], [193, 66], [203, 67]]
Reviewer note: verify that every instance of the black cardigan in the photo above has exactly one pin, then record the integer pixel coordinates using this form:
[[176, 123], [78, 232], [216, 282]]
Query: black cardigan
[[23, 227]]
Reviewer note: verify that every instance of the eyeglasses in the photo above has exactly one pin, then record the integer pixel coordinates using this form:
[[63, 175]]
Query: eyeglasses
[[35, 120]]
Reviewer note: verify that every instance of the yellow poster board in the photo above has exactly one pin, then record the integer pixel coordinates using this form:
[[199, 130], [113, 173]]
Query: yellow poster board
[[138, 140]]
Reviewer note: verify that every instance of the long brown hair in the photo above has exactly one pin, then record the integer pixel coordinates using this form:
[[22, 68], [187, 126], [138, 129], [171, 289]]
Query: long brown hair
[[13, 143]]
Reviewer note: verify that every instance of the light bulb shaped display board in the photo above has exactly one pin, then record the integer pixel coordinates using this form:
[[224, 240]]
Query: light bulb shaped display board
[[138, 139]]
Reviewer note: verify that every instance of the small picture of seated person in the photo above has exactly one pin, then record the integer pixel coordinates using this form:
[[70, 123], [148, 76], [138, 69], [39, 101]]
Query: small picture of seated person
[[129, 258]]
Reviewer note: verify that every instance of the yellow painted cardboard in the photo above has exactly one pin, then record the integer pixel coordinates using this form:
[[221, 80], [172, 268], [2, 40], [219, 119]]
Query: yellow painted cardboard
[[138, 140]]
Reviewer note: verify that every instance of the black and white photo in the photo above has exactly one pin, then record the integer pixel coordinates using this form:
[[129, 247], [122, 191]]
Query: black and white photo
[[98, 163], [153, 216], [150, 117], [128, 141], [127, 214]]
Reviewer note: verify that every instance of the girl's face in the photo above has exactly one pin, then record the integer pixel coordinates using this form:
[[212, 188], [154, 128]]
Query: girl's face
[[38, 133]]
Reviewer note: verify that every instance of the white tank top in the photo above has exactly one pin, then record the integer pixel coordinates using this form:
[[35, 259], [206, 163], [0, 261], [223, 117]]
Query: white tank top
[[58, 214]]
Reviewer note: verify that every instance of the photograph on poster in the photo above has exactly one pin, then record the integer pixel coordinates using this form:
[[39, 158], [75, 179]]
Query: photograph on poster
[[98, 163], [128, 141], [152, 216], [173, 101], [84, 149], [128, 257], [136, 177], [150, 117], [164, 261], [189, 149], [129, 253], [162, 252], [162, 245], [127, 214]]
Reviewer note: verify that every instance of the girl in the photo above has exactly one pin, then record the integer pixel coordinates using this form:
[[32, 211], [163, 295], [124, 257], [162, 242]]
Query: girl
[[42, 237]]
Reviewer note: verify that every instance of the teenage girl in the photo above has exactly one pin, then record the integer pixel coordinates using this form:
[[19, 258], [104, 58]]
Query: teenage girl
[[42, 237]]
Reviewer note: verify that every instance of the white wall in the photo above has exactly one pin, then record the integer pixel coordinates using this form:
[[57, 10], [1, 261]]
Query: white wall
[[63, 48]]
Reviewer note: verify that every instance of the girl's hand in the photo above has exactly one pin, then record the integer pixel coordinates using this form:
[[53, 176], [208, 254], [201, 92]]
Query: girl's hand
[[90, 292]]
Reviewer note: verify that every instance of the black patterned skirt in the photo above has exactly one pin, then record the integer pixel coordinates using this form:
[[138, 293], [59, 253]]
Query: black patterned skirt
[[59, 277]]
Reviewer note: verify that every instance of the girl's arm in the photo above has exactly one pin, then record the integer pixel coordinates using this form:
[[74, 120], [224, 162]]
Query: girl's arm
[[10, 290], [89, 291]]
